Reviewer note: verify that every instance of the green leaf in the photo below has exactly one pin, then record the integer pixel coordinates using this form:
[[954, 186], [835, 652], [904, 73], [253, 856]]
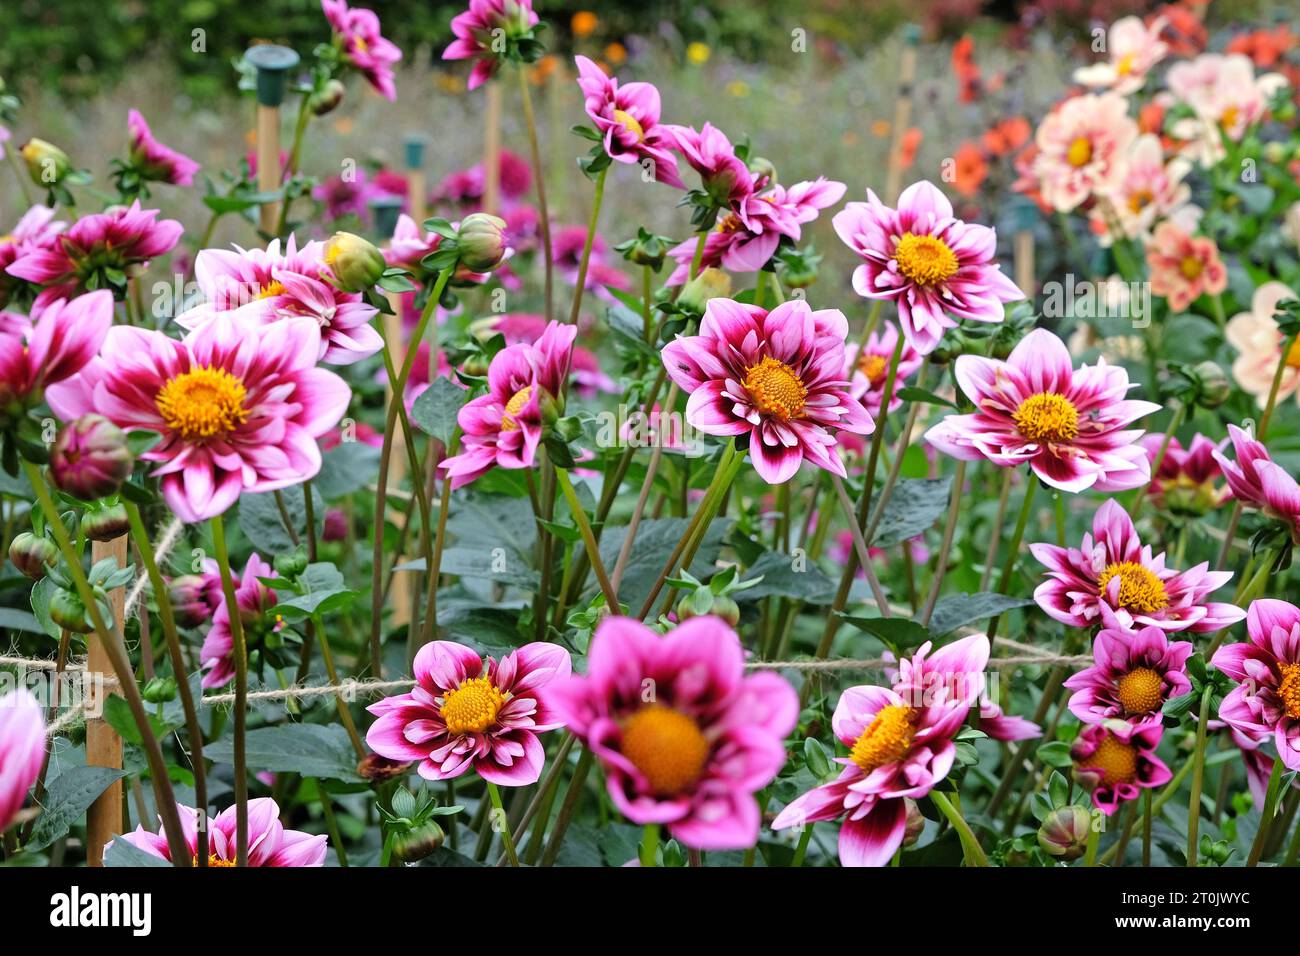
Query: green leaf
[[896, 632], [307, 749], [783, 576], [655, 540], [42, 593], [957, 610], [1055, 754], [117, 712], [436, 408], [345, 468], [66, 799], [322, 603], [16, 619], [913, 394], [121, 853], [259, 518], [914, 506]]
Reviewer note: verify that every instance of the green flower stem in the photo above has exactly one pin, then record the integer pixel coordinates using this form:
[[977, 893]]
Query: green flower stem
[[1247, 591], [1146, 828], [1271, 404], [995, 532], [1198, 776], [1090, 854], [941, 569], [543, 217], [240, 654], [1013, 552], [802, 850], [500, 814], [295, 153], [572, 797], [434, 571], [650, 845], [698, 258], [586, 246], [972, 852], [860, 545], [1266, 818], [345, 715], [588, 540], [331, 824]]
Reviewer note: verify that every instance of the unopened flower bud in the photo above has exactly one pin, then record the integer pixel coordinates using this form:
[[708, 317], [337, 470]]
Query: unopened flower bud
[[188, 605], [1064, 834], [46, 163], [160, 690], [32, 554], [1214, 386], [357, 264], [290, 565], [763, 170], [379, 769], [90, 458], [415, 844], [67, 611], [709, 284], [327, 98], [915, 825], [336, 525], [481, 239], [105, 524]]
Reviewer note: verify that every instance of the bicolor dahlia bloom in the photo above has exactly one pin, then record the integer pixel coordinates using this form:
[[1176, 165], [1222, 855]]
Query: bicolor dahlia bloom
[[467, 715], [937, 269], [253, 599], [628, 118], [356, 29], [1258, 481], [1185, 482], [154, 161], [504, 427], [1132, 49], [1266, 666], [1133, 675], [1117, 760], [776, 377], [723, 174], [521, 327], [685, 736], [269, 843], [475, 31], [867, 367], [53, 345], [35, 230], [1082, 149], [1067, 424], [1184, 266], [1114, 580], [22, 751], [1149, 189], [900, 744], [1256, 336], [239, 406]]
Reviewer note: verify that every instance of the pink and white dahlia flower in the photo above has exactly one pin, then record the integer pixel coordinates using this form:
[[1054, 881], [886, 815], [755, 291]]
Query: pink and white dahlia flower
[[476, 33], [357, 30], [1256, 336], [867, 366], [53, 345], [1117, 760], [1266, 701], [1083, 149], [253, 599], [36, 230], [269, 843], [628, 118], [1132, 49], [1186, 482], [1134, 674], [1183, 266], [22, 751], [1258, 481]]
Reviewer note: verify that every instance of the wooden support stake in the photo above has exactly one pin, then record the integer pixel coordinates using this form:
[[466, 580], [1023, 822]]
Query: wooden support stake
[[1023, 251], [902, 115], [492, 150], [268, 165], [103, 745]]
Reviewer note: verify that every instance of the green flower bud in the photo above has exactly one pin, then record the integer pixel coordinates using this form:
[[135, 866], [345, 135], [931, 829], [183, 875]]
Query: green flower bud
[[417, 843], [357, 264], [327, 98], [290, 565], [709, 284], [1214, 386], [160, 690], [763, 170], [106, 523], [1064, 833], [67, 611], [46, 163], [481, 240], [32, 554]]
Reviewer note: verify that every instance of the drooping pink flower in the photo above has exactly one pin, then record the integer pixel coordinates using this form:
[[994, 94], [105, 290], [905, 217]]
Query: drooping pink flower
[[253, 599], [36, 230], [1184, 266], [1266, 666], [357, 29], [239, 405], [22, 751], [723, 174], [937, 269], [1133, 675], [1258, 481], [53, 345], [1132, 49], [1069, 425], [476, 30], [686, 738], [467, 715], [1115, 580], [588, 377], [628, 117], [154, 161], [1082, 148], [1258, 340], [867, 366], [1186, 482], [900, 744], [1117, 760], [269, 843], [504, 427], [777, 377]]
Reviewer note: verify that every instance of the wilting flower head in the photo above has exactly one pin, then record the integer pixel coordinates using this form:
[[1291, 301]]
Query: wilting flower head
[[937, 269], [269, 843], [1149, 189], [239, 406], [1258, 481], [1132, 48], [1255, 334], [154, 161], [22, 750], [34, 231], [1068, 424], [1115, 580], [1185, 482], [467, 715], [685, 736], [1116, 760], [65, 335], [628, 116], [723, 174], [475, 30], [357, 29], [1134, 674], [868, 366], [1183, 266], [505, 426], [900, 744], [253, 599], [776, 376], [1266, 700], [1082, 149]]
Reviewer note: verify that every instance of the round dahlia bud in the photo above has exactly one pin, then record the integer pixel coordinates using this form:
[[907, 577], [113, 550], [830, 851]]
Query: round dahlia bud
[[379, 769], [709, 284], [1064, 833], [1215, 387], [105, 524], [415, 844], [67, 611], [336, 525], [46, 163], [327, 98], [290, 565], [762, 169], [356, 263], [160, 690], [915, 825], [481, 239], [188, 605], [90, 458], [32, 554]]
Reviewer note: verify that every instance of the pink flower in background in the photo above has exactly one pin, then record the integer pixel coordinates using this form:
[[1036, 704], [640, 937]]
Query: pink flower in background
[[253, 598], [154, 161], [1132, 49], [1114, 580], [1266, 700], [475, 31], [588, 378], [409, 245], [1149, 190], [723, 174], [466, 715], [1068, 425], [504, 427], [1083, 146], [1223, 91], [346, 197], [867, 367], [22, 751], [1117, 760], [567, 243], [900, 744], [691, 755], [1186, 480], [1184, 266], [776, 376], [937, 270], [239, 406], [53, 345], [269, 843], [1135, 673], [422, 374], [1256, 336], [1260, 482], [35, 231], [363, 46], [628, 116], [463, 190]]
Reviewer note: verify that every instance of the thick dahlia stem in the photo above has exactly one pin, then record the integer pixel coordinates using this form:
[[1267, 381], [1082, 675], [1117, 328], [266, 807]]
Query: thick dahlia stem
[[941, 569], [1198, 777], [572, 797], [434, 571], [650, 845], [860, 546], [995, 533], [116, 649], [1271, 404], [1266, 818], [543, 218], [345, 715], [240, 655], [499, 815], [585, 261], [588, 540], [295, 154], [972, 852]]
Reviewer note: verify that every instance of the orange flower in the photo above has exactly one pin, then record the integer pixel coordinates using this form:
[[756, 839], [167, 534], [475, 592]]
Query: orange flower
[[963, 64], [615, 53], [584, 24], [969, 169], [1185, 33], [1265, 47], [544, 68], [1006, 136], [907, 146]]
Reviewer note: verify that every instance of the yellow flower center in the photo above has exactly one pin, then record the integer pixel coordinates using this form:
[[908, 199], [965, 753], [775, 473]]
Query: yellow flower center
[[874, 367], [204, 402], [1229, 117], [213, 860], [887, 738], [472, 707], [776, 389], [667, 747], [1125, 65], [1140, 200], [1289, 689], [629, 123], [1140, 690], [1080, 152], [1139, 588], [1116, 760], [925, 260], [1047, 417], [513, 407], [270, 289], [729, 223], [1293, 355], [1191, 267]]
